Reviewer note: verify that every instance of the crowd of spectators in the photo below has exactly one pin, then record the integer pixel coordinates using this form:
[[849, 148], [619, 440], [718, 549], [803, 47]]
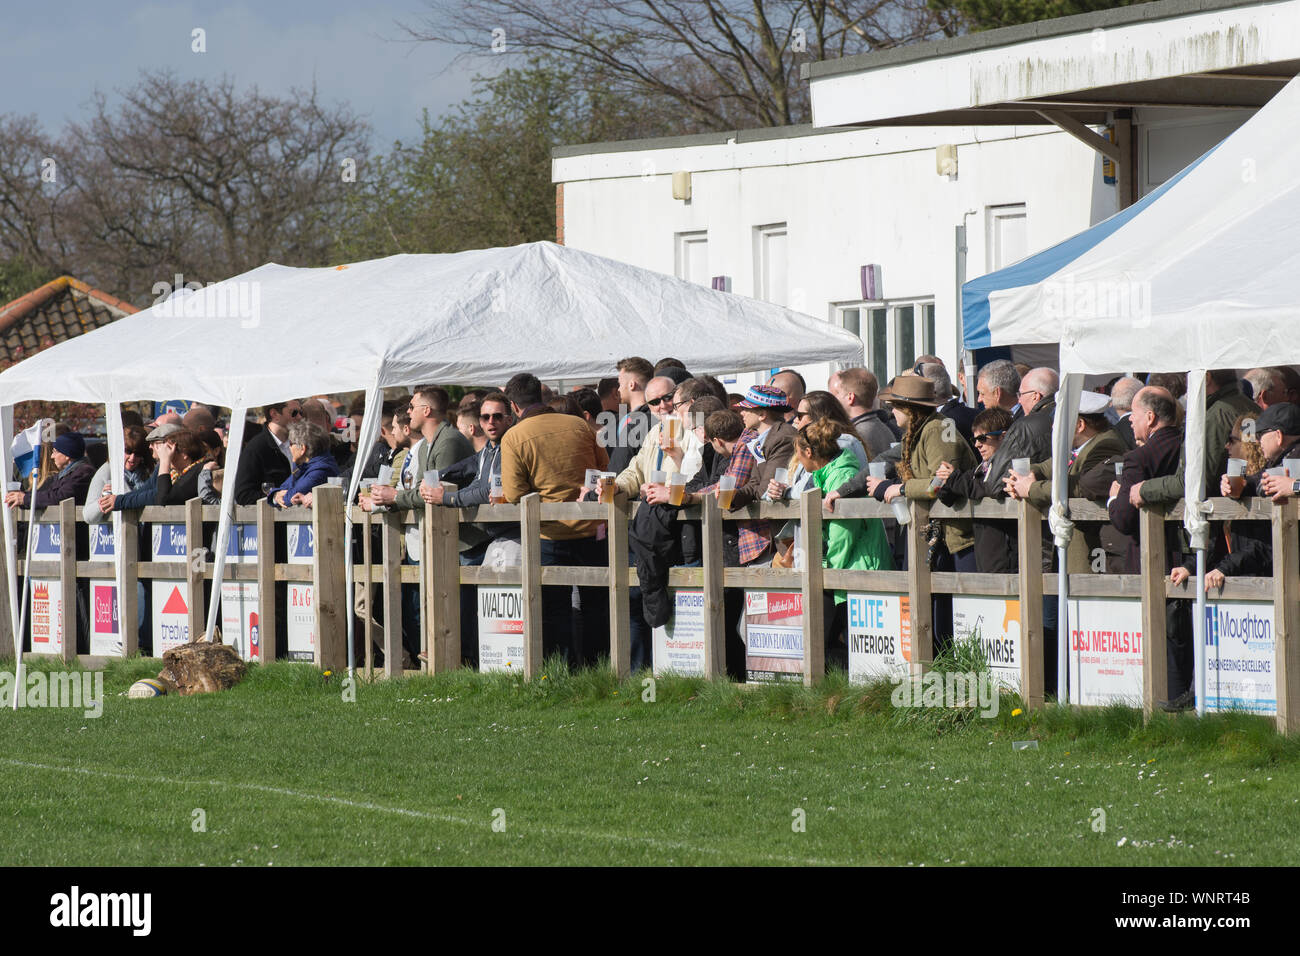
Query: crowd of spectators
[[658, 434]]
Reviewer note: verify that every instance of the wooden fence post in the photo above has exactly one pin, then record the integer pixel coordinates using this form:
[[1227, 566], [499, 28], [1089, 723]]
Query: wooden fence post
[[1155, 665], [391, 552], [68, 575], [194, 568], [1029, 538], [266, 615], [620, 624], [530, 535], [814, 633], [1286, 615], [918, 587], [715, 613], [128, 602], [329, 578], [441, 576]]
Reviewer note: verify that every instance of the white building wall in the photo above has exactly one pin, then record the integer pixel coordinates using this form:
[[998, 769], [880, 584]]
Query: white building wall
[[849, 199]]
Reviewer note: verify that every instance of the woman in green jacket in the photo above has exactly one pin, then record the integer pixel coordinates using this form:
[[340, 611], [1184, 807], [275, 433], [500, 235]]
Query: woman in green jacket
[[855, 544]]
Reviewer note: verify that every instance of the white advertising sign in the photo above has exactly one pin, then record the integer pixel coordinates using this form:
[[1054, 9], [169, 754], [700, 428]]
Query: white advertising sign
[[679, 644], [1105, 651], [239, 618], [880, 637], [500, 629], [171, 615], [995, 623], [46, 615], [773, 636], [1239, 657]]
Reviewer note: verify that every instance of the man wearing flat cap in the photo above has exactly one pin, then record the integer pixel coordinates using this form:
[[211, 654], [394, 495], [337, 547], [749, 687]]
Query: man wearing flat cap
[[1095, 447], [1277, 429], [72, 480]]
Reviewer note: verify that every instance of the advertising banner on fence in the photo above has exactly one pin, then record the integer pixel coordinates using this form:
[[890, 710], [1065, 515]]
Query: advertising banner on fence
[[47, 616], [46, 597], [239, 609], [880, 637], [300, 538], [101, 541], [1239, 657], [105, 619], [1105, 651], [171, 615], [239, 626], [169, 598], [500, 629], [679, 644], [47, 544], [105, 627], [241, 548], [301, 624], [995, 623], [301, 629], [774, 636]]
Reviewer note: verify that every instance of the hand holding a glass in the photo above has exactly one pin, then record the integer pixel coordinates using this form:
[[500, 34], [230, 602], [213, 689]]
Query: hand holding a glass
[[1276, 484], [875, 475], [776, 487], [1234, 482], [1017, 486], [655, 490]]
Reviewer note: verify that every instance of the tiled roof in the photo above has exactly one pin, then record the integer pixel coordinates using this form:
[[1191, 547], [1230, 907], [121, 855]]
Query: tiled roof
[[57, 311]]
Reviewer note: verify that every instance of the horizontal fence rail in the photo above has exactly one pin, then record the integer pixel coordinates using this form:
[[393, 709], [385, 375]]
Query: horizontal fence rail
[[317, 572]]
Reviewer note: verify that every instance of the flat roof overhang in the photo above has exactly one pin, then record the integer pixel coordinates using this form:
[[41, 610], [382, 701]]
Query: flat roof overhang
[[1208, 54]]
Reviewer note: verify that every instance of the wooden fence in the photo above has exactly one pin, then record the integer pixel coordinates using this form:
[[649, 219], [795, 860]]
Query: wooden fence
[[440, 576]]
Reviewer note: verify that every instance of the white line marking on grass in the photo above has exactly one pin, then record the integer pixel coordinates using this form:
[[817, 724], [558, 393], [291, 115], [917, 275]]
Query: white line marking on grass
[[418, 814]]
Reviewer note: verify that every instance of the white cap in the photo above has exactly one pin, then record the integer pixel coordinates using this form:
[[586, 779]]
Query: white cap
[[1092, 403]]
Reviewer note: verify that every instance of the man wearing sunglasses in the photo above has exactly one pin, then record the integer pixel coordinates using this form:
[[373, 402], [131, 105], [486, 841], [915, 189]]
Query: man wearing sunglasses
[[473, 474], [683, 455]]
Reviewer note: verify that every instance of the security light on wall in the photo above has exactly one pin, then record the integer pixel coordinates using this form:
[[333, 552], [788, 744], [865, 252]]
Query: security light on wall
[[682, 186], [945, 160]]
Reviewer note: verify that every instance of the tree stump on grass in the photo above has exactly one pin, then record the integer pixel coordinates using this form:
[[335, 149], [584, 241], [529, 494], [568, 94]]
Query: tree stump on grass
[[202, 668]]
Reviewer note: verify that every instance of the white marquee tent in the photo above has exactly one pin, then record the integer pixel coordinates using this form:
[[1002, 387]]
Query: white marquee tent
[[471, 318], [1206, 276]]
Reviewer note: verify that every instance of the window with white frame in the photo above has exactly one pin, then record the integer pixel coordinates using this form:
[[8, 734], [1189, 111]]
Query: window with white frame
[[1008, 235], [692, 257], [893, 332], [771, 265]]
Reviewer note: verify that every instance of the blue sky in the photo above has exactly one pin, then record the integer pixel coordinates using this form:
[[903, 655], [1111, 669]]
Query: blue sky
[[56, 56]]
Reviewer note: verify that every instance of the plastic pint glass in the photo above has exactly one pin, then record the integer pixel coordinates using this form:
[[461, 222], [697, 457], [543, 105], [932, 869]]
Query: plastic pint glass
[[607, 489], [1236, 475], [497, 494], [668, 433], [726, 491], [676, 488]]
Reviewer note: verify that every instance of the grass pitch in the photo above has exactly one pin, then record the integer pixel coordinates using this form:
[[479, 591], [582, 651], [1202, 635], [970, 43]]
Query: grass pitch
[[582, 769]]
